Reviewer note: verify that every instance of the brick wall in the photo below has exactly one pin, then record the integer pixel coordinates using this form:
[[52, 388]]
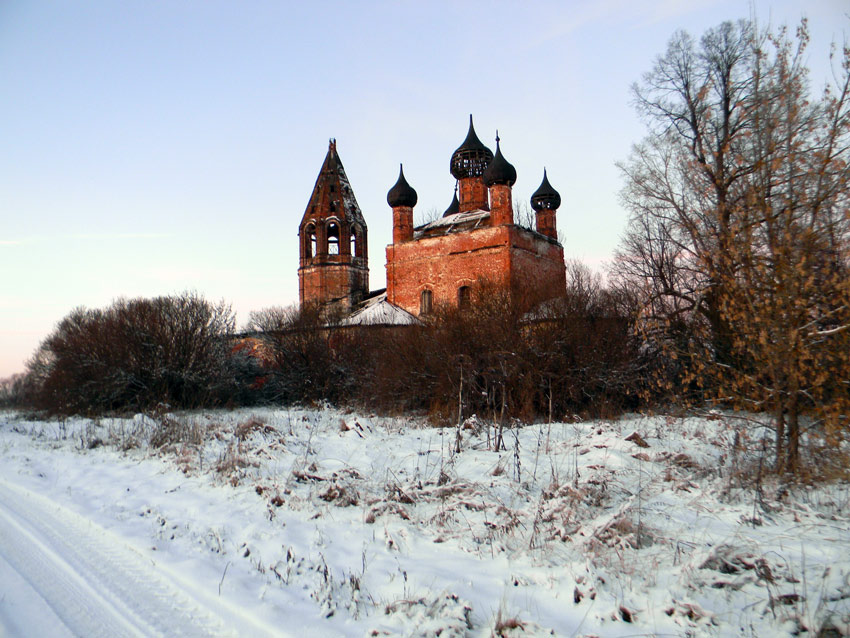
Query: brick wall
[[326, 280], [505, 255]]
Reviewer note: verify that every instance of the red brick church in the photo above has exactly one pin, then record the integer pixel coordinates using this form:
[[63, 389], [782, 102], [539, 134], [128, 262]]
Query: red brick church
[[438, 263]]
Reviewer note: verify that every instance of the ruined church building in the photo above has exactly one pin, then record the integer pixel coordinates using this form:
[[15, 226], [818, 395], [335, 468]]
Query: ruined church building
[[437, 263]]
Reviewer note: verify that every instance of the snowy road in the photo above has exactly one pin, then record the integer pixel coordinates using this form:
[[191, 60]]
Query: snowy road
[[67, 576]]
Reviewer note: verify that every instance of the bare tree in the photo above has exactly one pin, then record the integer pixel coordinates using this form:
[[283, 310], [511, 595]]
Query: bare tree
[[738, 233], [524, 215], [685, 182], [273, 318], [427, 216]]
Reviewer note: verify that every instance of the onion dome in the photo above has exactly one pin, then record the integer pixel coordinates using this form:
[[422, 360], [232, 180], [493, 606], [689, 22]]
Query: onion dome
[[500, 171], [454, 207], [472, 157], [402, 194], [545, 197]]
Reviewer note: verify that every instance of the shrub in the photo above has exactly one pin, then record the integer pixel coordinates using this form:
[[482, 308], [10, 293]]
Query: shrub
[[504, 356], [12, 390], [135, 355]]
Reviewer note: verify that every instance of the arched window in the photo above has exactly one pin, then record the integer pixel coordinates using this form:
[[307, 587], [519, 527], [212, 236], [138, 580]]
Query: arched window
[[333, 238], [425, 302], [310, 241], [463, 297], [354, 241]]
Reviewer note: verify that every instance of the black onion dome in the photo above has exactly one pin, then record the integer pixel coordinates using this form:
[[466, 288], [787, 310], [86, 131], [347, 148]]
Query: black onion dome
[[545, 197], [500, 171], [402, 194], [454, 207], [472, 157]]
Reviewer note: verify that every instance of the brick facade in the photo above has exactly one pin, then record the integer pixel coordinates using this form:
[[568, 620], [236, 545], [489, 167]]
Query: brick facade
[[507, 255], [330, 281]]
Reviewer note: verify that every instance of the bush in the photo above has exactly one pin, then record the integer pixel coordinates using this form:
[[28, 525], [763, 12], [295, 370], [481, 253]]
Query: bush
[[503, 359], [504, 356], [12, 391], [307, 360], [135, 355]]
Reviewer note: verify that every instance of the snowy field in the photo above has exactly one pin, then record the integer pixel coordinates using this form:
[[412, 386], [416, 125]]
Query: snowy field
[[327, 523]]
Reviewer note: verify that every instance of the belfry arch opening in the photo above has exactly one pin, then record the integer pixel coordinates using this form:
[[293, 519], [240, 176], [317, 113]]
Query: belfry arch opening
[[333, 238], [310, 242]]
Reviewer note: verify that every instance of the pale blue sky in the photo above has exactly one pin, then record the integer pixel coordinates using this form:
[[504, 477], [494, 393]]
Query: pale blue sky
[[148, 148]]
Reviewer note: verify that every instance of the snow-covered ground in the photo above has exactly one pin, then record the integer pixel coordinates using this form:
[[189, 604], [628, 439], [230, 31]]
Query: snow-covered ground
[[327, 523]]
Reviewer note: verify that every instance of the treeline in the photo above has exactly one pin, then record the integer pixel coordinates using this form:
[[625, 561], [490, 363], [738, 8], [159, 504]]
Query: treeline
[[501, 357]]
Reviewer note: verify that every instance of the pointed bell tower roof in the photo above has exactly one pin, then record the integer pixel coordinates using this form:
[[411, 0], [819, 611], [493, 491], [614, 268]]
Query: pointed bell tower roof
[[332, 194]]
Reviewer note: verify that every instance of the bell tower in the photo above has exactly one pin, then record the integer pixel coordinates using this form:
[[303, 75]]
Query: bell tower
[[334, 258]]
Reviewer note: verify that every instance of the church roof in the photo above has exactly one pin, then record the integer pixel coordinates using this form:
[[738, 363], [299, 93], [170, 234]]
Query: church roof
[[454, 223], [500, 170], [332, 194], [377, 311], [471, 158], [402, 193], [545, 197], [454, 207]]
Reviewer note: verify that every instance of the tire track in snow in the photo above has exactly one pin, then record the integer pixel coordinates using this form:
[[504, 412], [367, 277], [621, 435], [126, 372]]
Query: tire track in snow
[[95, 583]]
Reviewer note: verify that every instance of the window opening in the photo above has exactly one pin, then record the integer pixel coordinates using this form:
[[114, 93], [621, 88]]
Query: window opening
[[333, 239], [463, 297], [425, 302], [310, 244]]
